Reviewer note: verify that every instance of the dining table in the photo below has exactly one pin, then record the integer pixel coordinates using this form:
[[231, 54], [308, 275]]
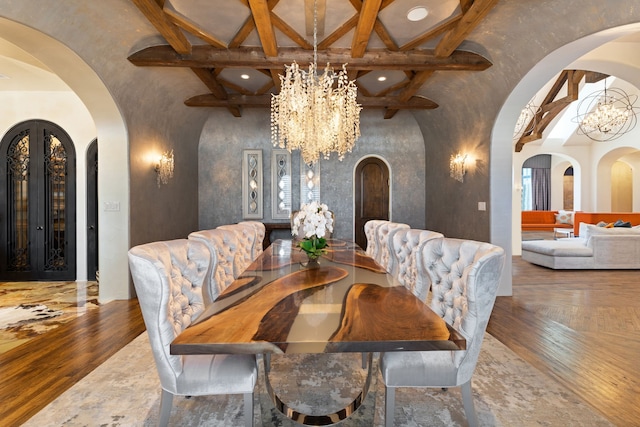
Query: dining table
[[344, 302]]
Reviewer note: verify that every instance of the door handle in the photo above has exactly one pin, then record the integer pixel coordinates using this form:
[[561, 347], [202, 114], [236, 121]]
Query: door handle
[[39, 227]]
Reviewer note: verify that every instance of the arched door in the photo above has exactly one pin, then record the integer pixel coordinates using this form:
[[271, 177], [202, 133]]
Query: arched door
[[92, 210], [37, 194], [371, 195]]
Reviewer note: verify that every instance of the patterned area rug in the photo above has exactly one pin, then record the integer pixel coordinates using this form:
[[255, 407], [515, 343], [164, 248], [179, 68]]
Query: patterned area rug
[[125, 391], [28, 309]]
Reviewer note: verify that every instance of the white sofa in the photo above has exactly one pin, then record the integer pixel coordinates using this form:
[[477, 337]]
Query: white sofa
[[596, 248]]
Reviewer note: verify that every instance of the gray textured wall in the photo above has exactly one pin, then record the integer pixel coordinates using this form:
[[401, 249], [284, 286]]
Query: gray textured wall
[[398, 140]]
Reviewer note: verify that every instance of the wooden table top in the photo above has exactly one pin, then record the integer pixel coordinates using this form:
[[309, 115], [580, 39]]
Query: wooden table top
[[346, 304]]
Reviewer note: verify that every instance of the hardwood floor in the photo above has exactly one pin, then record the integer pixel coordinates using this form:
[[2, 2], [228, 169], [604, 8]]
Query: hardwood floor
[[582, 328], [43, 368]]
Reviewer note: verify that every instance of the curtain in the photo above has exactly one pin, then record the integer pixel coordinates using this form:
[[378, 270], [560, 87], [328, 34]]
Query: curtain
[[541, 191]]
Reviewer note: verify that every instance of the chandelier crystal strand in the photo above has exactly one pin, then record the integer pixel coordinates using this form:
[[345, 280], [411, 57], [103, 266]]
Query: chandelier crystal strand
[[312, 116]]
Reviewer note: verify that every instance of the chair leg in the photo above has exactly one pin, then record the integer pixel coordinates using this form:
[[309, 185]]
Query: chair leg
[[166, 400], [248, 409], [364, 360], [467, 402], [267, 362], [389, 405]]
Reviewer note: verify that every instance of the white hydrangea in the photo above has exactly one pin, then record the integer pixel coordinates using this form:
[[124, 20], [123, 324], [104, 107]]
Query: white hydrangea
[[315, 219]]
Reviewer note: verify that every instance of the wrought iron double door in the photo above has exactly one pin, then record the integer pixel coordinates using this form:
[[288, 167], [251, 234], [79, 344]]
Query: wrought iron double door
[[37, 192]]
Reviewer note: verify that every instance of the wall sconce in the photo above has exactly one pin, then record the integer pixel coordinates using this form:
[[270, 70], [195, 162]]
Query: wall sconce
[[164, 168], [456, 166]]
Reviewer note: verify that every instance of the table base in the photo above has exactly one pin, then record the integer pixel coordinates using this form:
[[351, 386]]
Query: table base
[[318, 420]]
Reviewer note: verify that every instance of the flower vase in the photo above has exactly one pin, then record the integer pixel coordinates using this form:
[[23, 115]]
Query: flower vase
[[311, 262]]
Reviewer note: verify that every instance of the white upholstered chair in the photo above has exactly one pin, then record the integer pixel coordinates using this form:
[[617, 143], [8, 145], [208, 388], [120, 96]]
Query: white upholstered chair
[[370, 228], [222, 245], [384, 236], [405, 244], [168, 277], [260, 234], [245, 240], [464, 276]]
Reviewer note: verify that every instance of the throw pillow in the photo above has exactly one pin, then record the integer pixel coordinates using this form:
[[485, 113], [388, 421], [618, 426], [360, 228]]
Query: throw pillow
[[563, 217], [601, 224], [621, 223]]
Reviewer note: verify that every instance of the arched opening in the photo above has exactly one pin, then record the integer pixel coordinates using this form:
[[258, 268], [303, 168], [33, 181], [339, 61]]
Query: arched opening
[[503, 169], [112, 136]]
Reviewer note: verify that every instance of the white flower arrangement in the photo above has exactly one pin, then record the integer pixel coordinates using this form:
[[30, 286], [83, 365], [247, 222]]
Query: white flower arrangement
[[316, 221], [315, 218]]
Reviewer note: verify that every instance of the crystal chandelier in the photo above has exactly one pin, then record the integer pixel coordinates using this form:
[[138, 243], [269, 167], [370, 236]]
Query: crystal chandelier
[[607, 115], [310, 114]]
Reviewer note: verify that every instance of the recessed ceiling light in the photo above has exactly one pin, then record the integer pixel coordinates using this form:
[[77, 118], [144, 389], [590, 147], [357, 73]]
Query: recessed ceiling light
[[244, 76], [382, 78], [417, 13]]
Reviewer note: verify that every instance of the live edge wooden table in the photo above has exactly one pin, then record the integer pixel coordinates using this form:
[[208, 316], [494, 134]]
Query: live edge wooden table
[[346, 303]]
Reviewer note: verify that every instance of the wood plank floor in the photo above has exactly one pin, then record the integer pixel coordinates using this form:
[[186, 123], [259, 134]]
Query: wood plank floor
[[43, 368], [582, 328]]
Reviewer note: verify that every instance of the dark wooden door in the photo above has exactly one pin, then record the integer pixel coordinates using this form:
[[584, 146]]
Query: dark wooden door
[[372, 195], [92, 210], [37, 203]]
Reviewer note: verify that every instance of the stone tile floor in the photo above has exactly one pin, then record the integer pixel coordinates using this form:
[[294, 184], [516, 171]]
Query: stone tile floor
[[28, 309]]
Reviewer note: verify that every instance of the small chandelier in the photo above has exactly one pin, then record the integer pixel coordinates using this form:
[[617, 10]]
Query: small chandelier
[[312, 116], [606, 115], [164, 168], [526, 120], [456, 166]]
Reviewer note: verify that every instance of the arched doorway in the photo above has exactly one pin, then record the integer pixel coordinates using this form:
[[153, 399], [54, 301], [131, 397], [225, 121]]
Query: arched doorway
[[111, 133], [372, 188], [37, 199]]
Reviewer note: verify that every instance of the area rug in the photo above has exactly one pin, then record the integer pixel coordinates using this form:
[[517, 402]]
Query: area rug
[[125, 391], [28, 309]]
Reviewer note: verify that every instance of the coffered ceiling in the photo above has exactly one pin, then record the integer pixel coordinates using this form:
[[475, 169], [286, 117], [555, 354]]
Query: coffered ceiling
[[238, 48]]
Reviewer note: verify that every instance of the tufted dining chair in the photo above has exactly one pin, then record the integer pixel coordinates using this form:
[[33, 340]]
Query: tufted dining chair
[[384, 238], [245, 238], [260, 230], [464, 277], [222, 245], [370, 228], [405, 245], [168, 278]]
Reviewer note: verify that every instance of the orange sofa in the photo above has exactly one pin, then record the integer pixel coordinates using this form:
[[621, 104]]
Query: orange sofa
[[541, 221], [608, 217]]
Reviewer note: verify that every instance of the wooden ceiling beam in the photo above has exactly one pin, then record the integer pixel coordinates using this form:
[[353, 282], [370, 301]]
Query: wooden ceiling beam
[[210, 57], [366, 21], [432, 34], [192, 28], [172, 34], [208, 77], [551, 106], [264, 101], [288, 31], [242, 34], [262, 17], [469, 21], [384, 35], [409, 91], [339, 33]]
